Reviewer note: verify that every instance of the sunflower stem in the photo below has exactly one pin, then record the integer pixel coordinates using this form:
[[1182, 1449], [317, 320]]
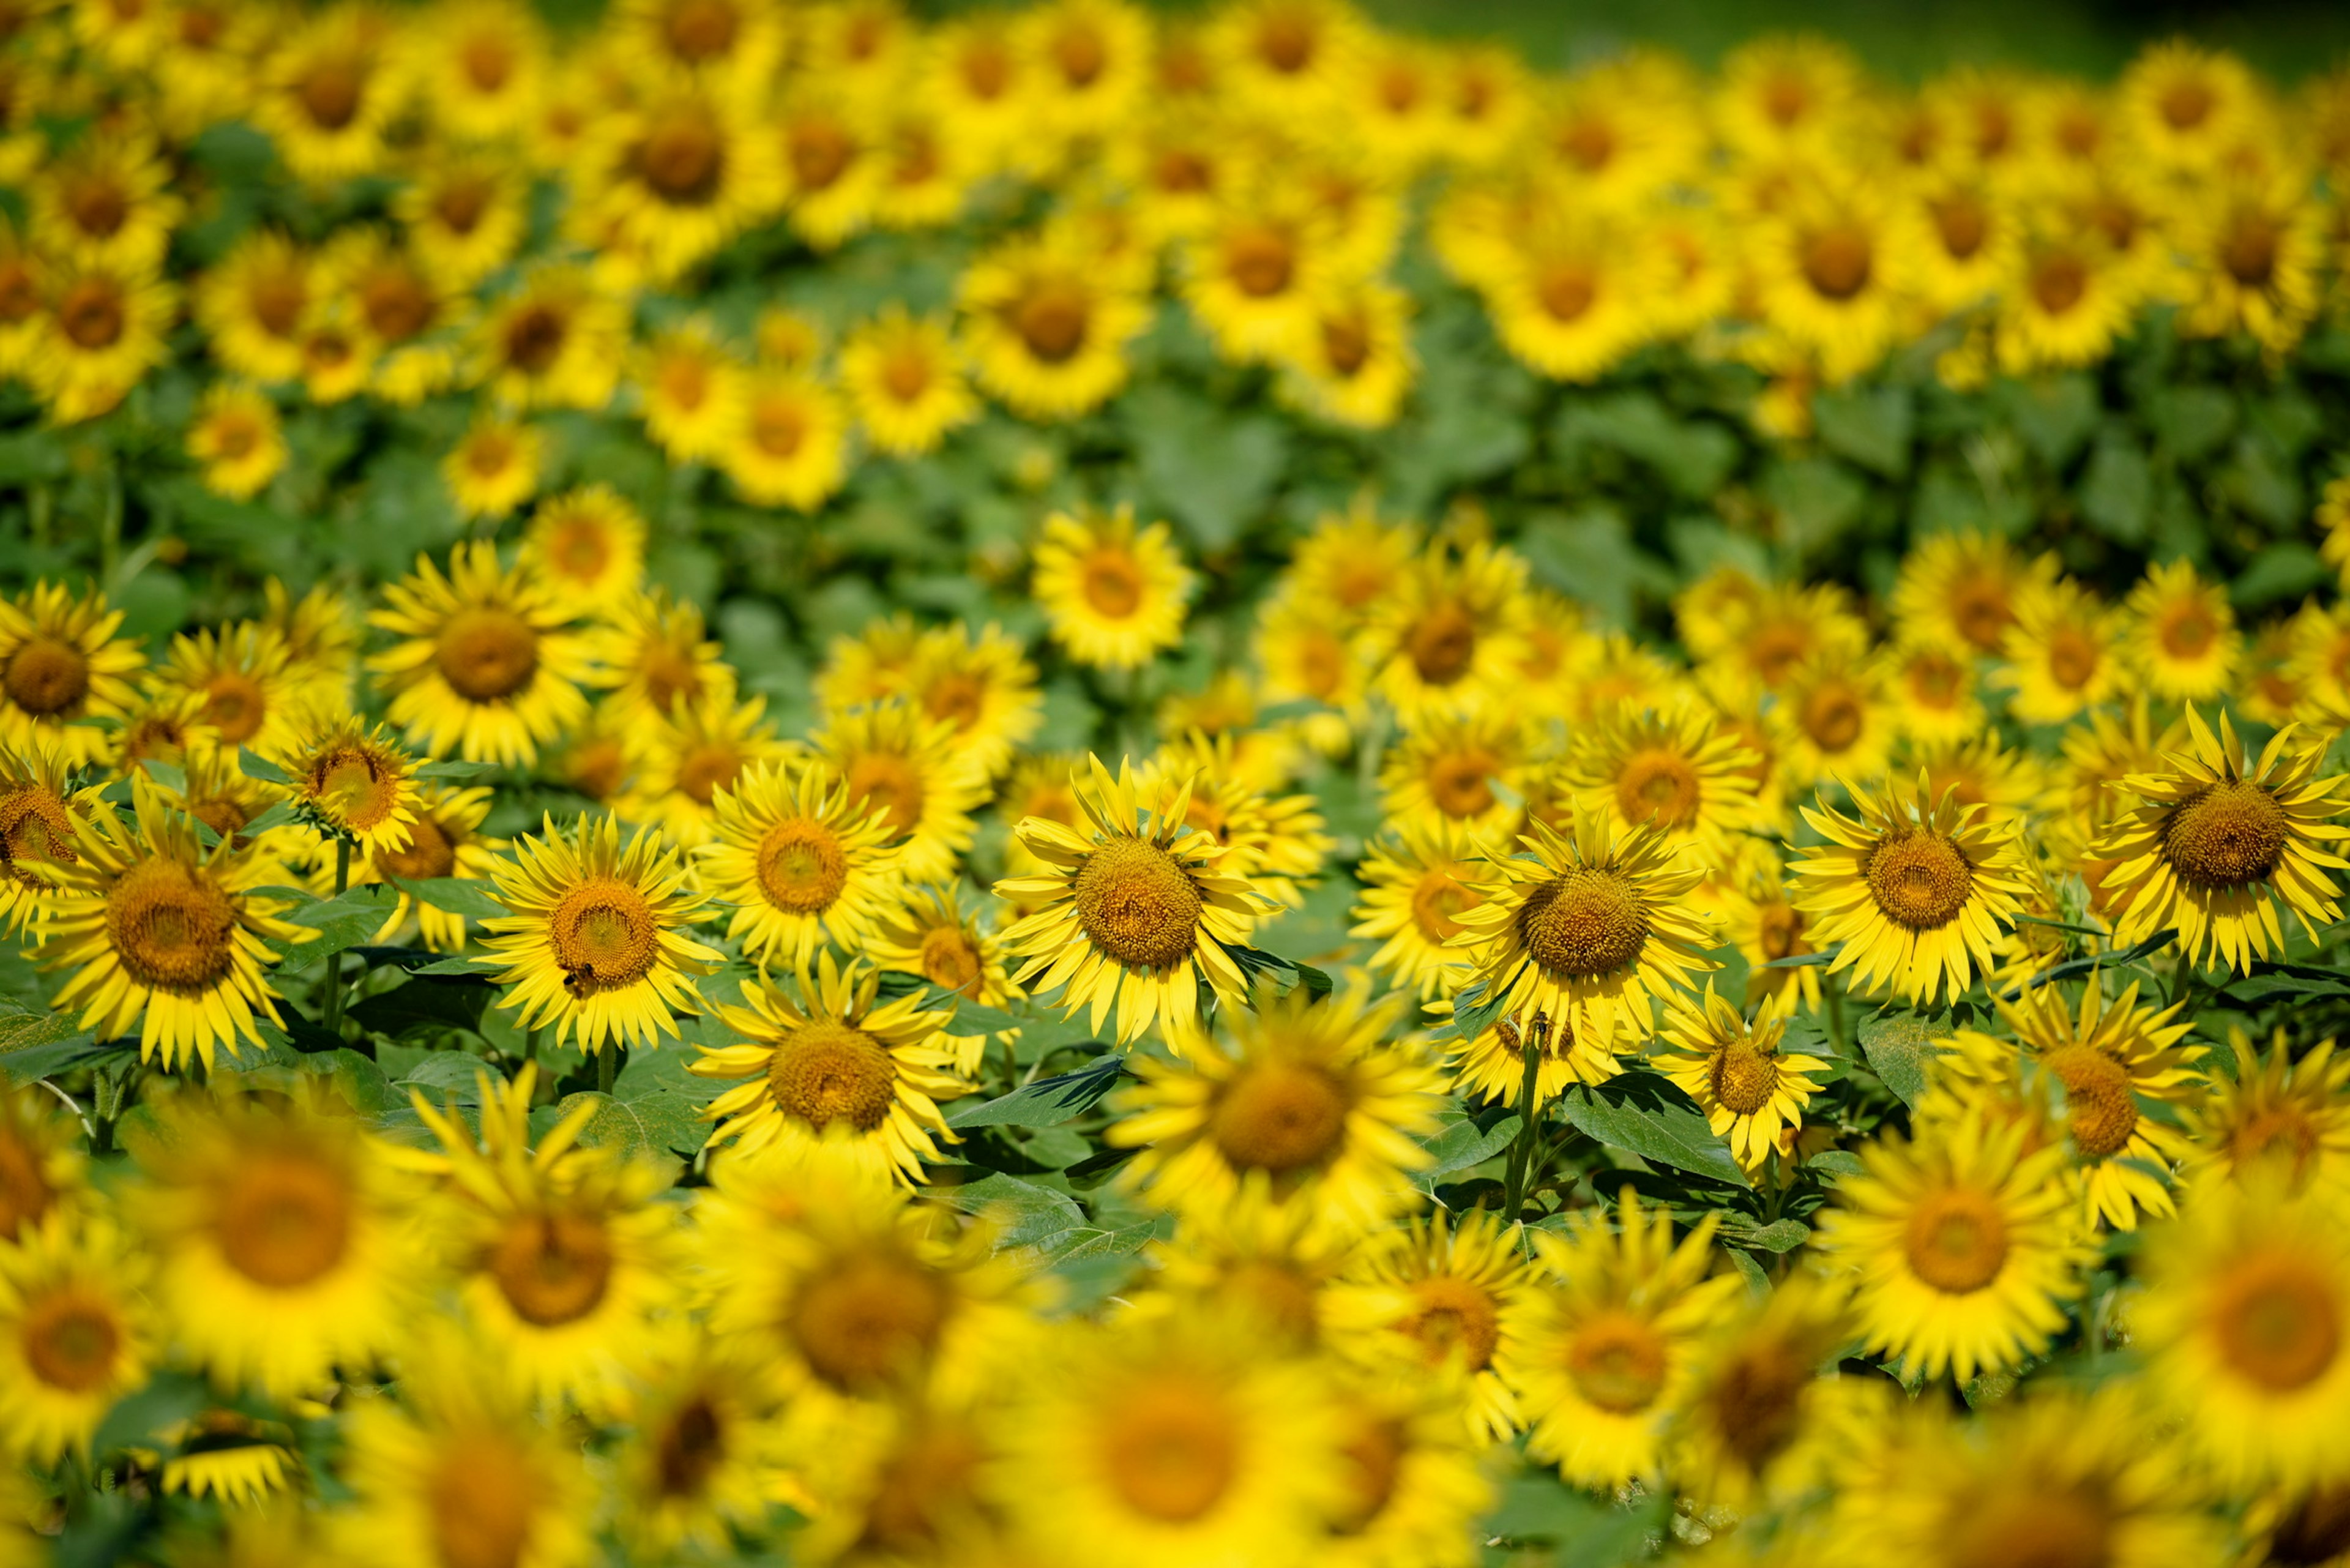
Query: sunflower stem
[[331, 1013], [607, 1067], [1522, 1148], [1834, 995], [109, 526]]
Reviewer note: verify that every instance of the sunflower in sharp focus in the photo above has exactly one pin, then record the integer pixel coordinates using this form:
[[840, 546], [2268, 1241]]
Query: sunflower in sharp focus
[[905, 380], [595, 942], [283, 1249], [1589, 928], [1148, 897], [1113, 595], [350, 781], [702, 748], [1751, 1090], [561, 1255], [1416, 881], [77, 1333], [2241, 1326], [165, 937], [2278, 1112], [495, 466], [2181, 640], [586, 547], [103, 331], [800, 862], [2218, 841], [1490, 1068], [444, 841], [239, 439], [1917, 888], [791, 447], [1964, 1248], [1046, 332], [485, 669], [61, 664], [1676, 768]]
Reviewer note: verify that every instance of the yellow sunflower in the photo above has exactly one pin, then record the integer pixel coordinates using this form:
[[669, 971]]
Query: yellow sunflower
[[1963, 1248], [495, 466], [801, 863], [2181, 640], [691, 392], [2068, 298], [2246, 1294], [352, 783], [664, 182], [38, 807], [1752, 1092], [1835, 719], [283, 1248], [983, 684], [2216, 842], [1675, 768], [1112, 594], [791, 445], [906, 767], [1918, 889], [931, 934], [2277, 1111], [444, 841], [1446, 641], [1448, 1296], [104, 330], [1610, 1340], [485, 668], [1416, 880], [701, 749], [1587, 929], [328, 91], [481, 67], [1354, 364], [465, 213], [165, 938], [77, 1333], [586, 547], [2062, 655], [238, 439], [2255, 250], [905, 381], [1961, 590], [556, 340], [61, 664], [653, 658], [254, 303], [838, 1064], [594, 942], [1133, 911], [241, 675], [1046, 333], [1832, 269], [1415, 1484]]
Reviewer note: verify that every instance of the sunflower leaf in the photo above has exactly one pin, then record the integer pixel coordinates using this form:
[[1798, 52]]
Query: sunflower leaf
[[254, 766], [1047, 1102], [1646, 1115], [454, 896], [1897, 1045]]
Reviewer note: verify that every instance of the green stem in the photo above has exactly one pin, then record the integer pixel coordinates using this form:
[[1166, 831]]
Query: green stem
[[1834, 995], [109, 526], [607, 1067], [38, 507], [331, 1015], [1521, 1148]]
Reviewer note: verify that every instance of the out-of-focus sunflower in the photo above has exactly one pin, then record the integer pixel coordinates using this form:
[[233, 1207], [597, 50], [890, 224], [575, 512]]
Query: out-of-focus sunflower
[[790, 448], [106, 199], [1568, 297], [653, 658], [905, 381], [1760, 1424], [2281, 1112], [444, 841], [2181, 640], [691, 390], [350, 781], [2218, 841], [1113, 594], [830, 154], [103, 330], [237, 437], [1835, 720], [495, 466], [487, 667], [701, 1463], [1675, 768], [2183, 106], [800, 862], [586, 547], [2066, 300], [555, 339], [595, 942], [1354, 364], [77, 1333], [1445, 642], [1415, 882], [480, 66], [250, 697], [664, 182], [327, 92], [60, 665], [2062, 656], [981, 684], [399, 310], [1447, 1295], [905, 767], [1046, 332], [1831, 271], [465, 213], [701, 749]]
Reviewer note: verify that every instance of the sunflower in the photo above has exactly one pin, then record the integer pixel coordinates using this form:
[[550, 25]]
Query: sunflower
[[1675, 768], [1567, 297], [790, 449], [1447, 1297], [2183, 106], [1175, 1441], [459, 1472], [479, 67], [165, 937], [906, 768], [254, 303], [1416, 880], [1112, 594], [1307, 656], [831, 157], [1134, 911], [1835, 719], [1760, 636], [904, 1482], [586, 547], [594, 942], [1046, 332], [1587, 929], [397, 307], [1961, 590], [1491, 1067], [2241, 1325], [1786, 93], [1610, 1338], [282, 1249], [466, 214], [928, 932], [983, 685], [76, 1334], [1285, 60], [444, 842], [105, 198], [47, 1177], [560, 1255], [1445, 642], [1471, 772], [691, 392], [495, 466], [1963, 1247], [1350, 564], [701, 749], [1252, 275], [1353, 363], [61, 664], [904, 379], [2217, 841], [928, 169], [2062, 656], [800, 862], [701, 1463], [1414, 1481], [1916, 888], [654, 659], [2068, 299], [227, 1454], [663, 183], [1309, 1106], [2182, 639], [1831, 271], [2276, 1111], [104, 330], [237, 437], [1760, 1423], [1752, 1092], [1274, 842], [327, 92], [485, 668], [554, 340]]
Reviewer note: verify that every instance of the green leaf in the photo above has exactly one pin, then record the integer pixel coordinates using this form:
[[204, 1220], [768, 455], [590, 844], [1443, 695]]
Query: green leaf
[[1779, 1236], [1648, 1115], [1817, 501], [423, 1006], [456, 896], [1898, 1046], [2116, 493], [1466, 1143], [254, 766], [1028, 1213], [661, 1123], [342, 922], [1085, 1241], [456, 772], [970, 1017], [2191, 421], [2071, 967], [358, 1080], [1211, 471], [450, 1075], [1873, 426], [1047, 1102], [137, 1419]]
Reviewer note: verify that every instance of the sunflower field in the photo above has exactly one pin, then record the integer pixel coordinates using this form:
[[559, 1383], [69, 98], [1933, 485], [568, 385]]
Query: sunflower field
[[783, 785]]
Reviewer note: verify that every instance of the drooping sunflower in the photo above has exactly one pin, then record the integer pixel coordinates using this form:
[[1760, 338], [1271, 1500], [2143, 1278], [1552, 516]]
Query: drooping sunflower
[[559, 1254], [2217, 842], [237, 437], [1918, 889], [1415, 881], [595, 943], [1135, 912], [1113, 594], [906, 767], [1309, 1104], [801, 863], [444, 841], [350, 781], [487, 667], [1490, 1066], [587, 547], [165, 938], [1964, 1248], [1046, 331], [1675, 767], [905, 381], [2277, 1111], [495, 466], [1587, 927], [2246, 1294], [1752, 1091], [283, 1248], [77, 1333], [1611, 1338], [836, 1065], [1447, 1295]]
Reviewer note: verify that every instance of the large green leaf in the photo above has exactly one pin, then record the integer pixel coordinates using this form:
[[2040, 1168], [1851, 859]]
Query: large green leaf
[[1648, 1115]]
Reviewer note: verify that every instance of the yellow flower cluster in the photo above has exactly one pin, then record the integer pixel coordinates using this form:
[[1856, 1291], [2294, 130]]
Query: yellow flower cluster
[[1585, 1154], [544, 225]]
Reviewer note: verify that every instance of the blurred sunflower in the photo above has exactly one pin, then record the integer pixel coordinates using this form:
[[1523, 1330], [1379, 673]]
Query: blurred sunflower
[[1415, 880], [103, 330], [789, 448], [1113, 595], [702, 748], [555, 339], [907, 768], [61, 664], [691, 390], [1445, 642], [586, 547], [1761, 1423], [238, 438], [1675, 768], [905, 382], [77, 1335], [444, 841], [2280, 1111], [1046, 333], [495, 466], [2181, 639]]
